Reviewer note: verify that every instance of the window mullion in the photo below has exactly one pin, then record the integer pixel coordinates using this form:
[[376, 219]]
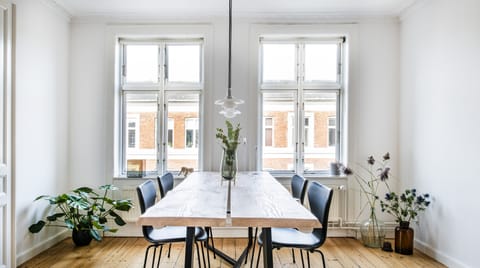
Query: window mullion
[[300, 108]]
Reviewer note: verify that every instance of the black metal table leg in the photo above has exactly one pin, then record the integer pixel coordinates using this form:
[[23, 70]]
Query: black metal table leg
[[267, 248], [235, 262], [189, 241]]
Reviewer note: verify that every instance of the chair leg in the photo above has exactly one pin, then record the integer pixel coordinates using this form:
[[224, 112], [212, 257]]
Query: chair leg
[[308, 258], [209, 230], [323, 257], [208, 257], [198, 255], [293, 255], [253, 249], [146, 255], [203, 255], [169, 247], [159, 256], [154, 254], [301, 256], [258, 258]]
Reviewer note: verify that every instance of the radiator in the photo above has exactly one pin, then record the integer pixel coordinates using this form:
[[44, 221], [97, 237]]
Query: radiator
[[129, 192], [338, 211]]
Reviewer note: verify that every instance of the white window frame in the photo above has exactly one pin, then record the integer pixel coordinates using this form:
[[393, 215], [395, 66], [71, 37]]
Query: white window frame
[[321, 86], [162, 88]]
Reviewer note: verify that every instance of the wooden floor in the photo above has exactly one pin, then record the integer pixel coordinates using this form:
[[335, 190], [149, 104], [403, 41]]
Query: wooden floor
[[129, 252]]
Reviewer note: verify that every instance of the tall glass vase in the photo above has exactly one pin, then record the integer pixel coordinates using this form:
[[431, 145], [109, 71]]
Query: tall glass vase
[[372, 231], [228, 166]]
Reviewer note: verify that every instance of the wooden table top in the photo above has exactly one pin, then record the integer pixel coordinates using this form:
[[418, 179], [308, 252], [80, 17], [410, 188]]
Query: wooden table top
[[257, 200]]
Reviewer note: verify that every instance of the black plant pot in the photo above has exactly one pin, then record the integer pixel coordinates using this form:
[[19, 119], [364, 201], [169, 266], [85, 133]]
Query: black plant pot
[[81, 238]]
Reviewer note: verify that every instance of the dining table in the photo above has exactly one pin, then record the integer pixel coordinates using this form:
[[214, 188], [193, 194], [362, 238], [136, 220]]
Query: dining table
[[251, 199]]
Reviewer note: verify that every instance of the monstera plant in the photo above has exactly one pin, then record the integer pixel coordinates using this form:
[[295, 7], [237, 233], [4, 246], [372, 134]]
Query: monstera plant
[[85, 212]]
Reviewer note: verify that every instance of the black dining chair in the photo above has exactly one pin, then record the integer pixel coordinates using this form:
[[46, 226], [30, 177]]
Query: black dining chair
[[320, 198], [298, 186], [147, 195]]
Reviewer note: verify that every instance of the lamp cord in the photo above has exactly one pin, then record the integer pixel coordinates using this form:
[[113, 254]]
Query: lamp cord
[[229, 95]]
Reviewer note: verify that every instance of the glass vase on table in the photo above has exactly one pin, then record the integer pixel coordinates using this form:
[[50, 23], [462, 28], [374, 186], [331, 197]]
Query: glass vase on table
[[228, 166], [228, 171]]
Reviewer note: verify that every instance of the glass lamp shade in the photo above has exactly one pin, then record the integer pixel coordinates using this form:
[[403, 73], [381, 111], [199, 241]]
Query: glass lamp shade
[[230, 112]]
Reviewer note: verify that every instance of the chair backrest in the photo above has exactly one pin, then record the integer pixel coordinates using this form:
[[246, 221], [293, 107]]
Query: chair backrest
[[299, 187], [147, 195], [320, 198], [165, 183]]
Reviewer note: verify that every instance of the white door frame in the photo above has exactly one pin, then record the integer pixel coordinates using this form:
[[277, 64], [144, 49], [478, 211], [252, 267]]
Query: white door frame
[[7, 216]]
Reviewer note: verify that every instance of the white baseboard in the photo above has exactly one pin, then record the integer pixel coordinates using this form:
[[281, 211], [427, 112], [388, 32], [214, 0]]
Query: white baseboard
[[438, 255], [32, 252]]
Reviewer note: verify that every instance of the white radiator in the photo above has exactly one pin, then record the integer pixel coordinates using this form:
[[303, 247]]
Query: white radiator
[[129, 192], [338, 211]]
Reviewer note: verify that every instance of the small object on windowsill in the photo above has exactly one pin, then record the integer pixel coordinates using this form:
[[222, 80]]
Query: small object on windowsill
[[334, 168], [135, 174], [387, 246], [185, 171]]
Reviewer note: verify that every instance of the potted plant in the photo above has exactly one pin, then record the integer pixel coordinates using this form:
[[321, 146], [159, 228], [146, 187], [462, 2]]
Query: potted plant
[[228, 168], [405, 208], [370, 178], [85, 212]]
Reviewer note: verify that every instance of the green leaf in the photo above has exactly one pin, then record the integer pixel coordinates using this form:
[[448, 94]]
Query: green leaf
[[55, 216], [83, 190], [102, 220], [108, 187], [69, 224], [36, 227], [120, 221], [95, 234]]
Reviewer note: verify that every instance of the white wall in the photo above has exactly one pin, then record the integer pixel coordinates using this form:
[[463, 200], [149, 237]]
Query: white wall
[[41, 116], [440, 126]]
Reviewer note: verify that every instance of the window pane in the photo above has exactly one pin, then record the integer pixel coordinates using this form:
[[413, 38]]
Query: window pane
[[141, 64], [279, 62], [170, 133], [332, 129], [321, 62], [183, 109], [278, 107], [321, 107], [141, 138], [183, 63]]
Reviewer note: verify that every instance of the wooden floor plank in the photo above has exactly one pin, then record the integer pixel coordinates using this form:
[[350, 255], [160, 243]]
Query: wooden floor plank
[[129, 252]]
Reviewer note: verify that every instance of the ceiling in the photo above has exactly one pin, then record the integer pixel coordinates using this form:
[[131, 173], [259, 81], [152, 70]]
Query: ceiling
[[219, 7]]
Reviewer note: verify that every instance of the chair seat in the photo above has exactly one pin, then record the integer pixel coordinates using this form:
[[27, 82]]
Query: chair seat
[[171, 234], [292, 238]]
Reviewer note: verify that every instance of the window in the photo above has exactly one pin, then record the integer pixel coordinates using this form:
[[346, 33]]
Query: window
[[170, 133], [268, 132], [161, 83], [191, 132], [132, 133], [301, 83], [332, 128]]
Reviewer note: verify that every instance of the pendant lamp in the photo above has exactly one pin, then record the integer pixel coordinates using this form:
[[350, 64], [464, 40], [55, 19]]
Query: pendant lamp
[[229, 103]]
